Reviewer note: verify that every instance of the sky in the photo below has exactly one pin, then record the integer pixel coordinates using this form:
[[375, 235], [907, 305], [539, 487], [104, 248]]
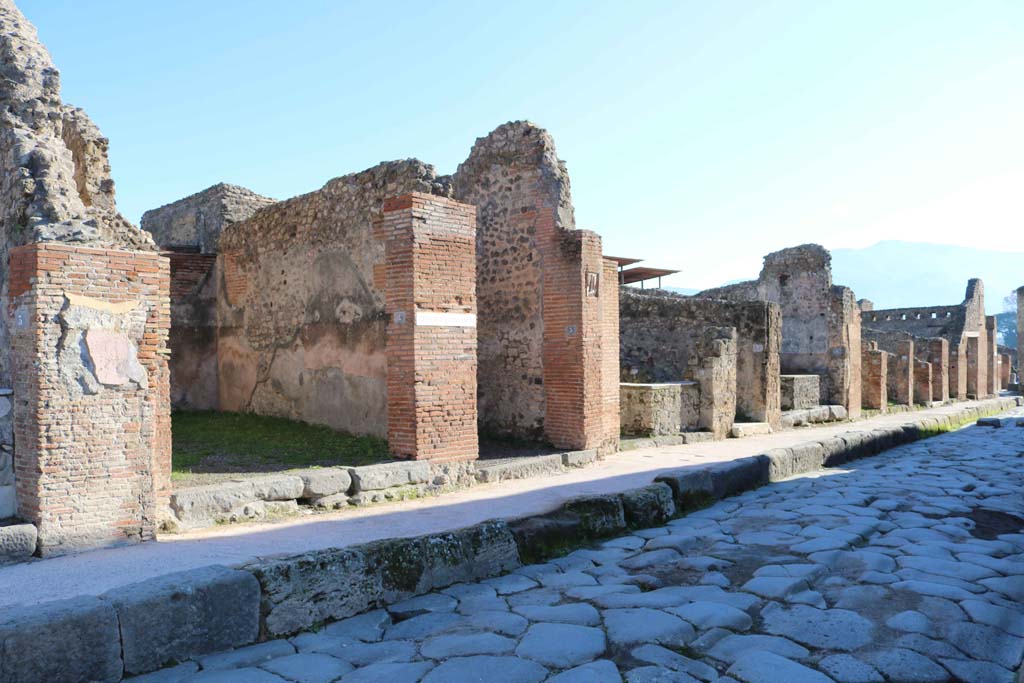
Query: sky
[[698, 135]]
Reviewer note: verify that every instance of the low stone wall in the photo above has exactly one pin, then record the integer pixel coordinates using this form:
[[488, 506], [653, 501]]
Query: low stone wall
[[816, 415], [324, 488], [139, 628], [800, 392], [652, 409]]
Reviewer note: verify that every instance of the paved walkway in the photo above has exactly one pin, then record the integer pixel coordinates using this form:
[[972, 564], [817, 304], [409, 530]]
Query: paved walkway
[[904, 567], [95, 572]]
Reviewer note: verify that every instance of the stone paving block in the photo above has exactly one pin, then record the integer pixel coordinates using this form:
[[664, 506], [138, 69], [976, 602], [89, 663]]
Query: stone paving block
[[247, 675], [174, 674], [599, 515], [466, 644], [561, 646], [205, 504], [520, 468], [359, 653], [278, 487], [489, 669], [186, 614], [64, 640], [389, 672], [737, 476], [643, 625], [764, 667], [244, 657], [691, 488], [601, 671], [579, 458], [308, 668]]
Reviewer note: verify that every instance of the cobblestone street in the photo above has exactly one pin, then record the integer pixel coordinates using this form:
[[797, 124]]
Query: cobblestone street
[[908, 566]]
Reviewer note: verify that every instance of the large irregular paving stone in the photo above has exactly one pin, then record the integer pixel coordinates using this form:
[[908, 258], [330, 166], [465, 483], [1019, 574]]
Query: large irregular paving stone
[[246, 675], [849, 669], [486, 670], [562, 646], [601, 671], [759, 666], [326, 481], [986, 642], [308, 667], [505, 623], [658, 674], [705, 615], [368, 626], [899, 664], [629, 626], [572, 613], [389, 672], [660, 656], [422, 626], [731, 647], [1011, 621], [253, 655], [359, 653], [979, 671], [831, 629], [466, 644]]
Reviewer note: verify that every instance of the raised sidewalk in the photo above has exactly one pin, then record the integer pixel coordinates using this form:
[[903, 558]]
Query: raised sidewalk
[[95, 572]]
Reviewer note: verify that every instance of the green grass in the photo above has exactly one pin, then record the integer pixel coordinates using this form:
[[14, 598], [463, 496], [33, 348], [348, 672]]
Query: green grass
[[240, 442]]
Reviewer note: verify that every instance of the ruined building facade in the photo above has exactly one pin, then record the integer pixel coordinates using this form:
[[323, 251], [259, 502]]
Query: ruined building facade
[[83, 335]]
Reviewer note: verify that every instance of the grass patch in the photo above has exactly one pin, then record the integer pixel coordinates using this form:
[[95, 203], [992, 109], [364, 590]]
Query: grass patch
[[215, 442]]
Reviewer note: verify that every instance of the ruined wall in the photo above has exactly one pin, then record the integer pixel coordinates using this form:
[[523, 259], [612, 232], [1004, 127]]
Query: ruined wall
[[991, 357], [188, 231], [874, 377], [922, 382], [660, 332], [714, 368], [543, 332], [937, 351], [83, 330], [302, 328], [819, 320], [952, 323]]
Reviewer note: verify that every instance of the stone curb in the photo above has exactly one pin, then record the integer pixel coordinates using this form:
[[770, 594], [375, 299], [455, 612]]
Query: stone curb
[[139, 628]]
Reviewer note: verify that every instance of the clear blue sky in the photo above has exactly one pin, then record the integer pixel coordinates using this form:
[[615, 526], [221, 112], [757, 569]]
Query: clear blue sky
[[699, 135]]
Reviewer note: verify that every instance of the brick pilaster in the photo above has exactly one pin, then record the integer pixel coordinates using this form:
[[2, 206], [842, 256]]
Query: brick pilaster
[[430, 292]]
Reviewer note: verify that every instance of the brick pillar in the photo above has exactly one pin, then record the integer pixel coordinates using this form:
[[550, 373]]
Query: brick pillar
[[922, 382], [575, 342], [901, 374], [91, 393], [430, 297], [938, 356], [874, 370], [1005, 364], [975, 367], [958, 371], [609, 296], [991, 356]]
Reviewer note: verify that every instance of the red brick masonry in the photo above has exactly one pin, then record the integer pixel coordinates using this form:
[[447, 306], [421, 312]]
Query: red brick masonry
[[92, 465]]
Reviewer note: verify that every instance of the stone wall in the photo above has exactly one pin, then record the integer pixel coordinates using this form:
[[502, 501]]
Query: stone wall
[[545, 340], [922, 382], [714, 368], [938, 357], [659, 334], [300, 302], [83, 329], [952, 323], [800, 392], [991, 356], [652, 409], [188, 231], [195, 223], [820, 322]]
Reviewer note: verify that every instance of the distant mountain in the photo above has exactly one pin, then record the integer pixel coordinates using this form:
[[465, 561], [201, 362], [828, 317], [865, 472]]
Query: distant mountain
[[896, 274]]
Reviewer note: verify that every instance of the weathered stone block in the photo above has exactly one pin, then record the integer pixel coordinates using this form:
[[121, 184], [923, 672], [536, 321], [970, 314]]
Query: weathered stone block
[[800, 392], [186, 614], [199, 504], [519, 468], [599, 515], [545, 536], [648, 506], [376, 477], [17, 542], [691, 488], [304, 590], [834, 451], [744, 429], [650, 409], [65, 640], [325, 482], [787, 462], [737, 476], [278, 487], [579, 458]]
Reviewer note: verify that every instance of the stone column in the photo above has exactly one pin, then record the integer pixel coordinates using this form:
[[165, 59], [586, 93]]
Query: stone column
[[901, 374], [874, 371], [958, 370], [91, 393], [922, 382], [430, 294], [938, 356], [844, 380], [1005, 365]]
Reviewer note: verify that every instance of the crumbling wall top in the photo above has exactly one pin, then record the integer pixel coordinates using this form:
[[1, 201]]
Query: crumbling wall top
[[55, 183], [198, 220]]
